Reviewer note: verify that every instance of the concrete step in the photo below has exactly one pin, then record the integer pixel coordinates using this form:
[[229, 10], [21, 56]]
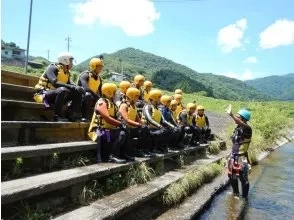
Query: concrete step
[[130, 199], [16, 190], [16, 92], [15, 133], [10, 153], [18, 78], [15, 110]]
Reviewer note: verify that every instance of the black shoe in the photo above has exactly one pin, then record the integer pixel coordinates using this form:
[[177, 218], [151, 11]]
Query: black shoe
[[60, 119], [129, 158], [116, 160]]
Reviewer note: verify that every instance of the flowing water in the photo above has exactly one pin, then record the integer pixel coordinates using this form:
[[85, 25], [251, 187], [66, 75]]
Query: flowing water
[[271, 194]]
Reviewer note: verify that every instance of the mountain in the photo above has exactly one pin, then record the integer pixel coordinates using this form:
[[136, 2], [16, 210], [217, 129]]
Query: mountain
[[169, 75], [278, 87]]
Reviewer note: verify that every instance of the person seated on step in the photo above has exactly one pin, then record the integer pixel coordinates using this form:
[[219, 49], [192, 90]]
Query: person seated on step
[[138, 83], [152, 117], [170, 123], [147, 89], [173, 108], [92, 83], [238, 162], [180, 106], [55, 88], [106, 129], [120, 95], [203, 123], [187, 121], [128, 112]]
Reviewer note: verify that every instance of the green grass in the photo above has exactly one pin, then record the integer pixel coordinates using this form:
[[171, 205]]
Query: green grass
[[176, 192]]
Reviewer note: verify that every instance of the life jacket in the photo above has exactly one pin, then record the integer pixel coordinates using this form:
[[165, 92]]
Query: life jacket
[[94, 82], [201, 121], [146, 96], [98, 122], [62, 76], [155, 115], [240, 140], [174, 115], [189, 117], [132, 112], [179, 109]]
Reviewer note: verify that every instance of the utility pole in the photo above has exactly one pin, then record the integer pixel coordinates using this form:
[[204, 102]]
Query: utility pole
[[28, 41], [48, 55], [68, 39]]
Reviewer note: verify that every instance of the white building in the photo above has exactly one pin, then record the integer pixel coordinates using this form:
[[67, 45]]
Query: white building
[[12, 52], [117, 77]]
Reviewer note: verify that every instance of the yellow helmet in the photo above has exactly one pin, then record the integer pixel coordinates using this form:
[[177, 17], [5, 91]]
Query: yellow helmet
[[138, 78], [191, 105], [155, 95], [200, 107], [124, 85], [178, 91], [147, 84], [178, 96], [164, 99], [173, 102], [94, 62], [132, 93], [108, 89]]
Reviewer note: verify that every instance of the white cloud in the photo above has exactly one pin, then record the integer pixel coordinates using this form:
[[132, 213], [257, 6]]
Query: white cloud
[[231, 36], [280, 33], [134, 17], [250, 60], [246, 75]]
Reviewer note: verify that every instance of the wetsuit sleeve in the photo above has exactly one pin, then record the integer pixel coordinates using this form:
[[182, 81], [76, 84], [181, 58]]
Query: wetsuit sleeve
[[147, 111], [101, 107], [83, 81], [51, 74], [206, 121], [194, 120], [123, 109], [183, 118]]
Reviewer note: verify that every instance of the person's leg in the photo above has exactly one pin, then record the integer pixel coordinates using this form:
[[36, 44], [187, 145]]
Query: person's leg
[[117, 139], [233, 179], [75, 106], [196, 135], [58, 97], [207, 134], [88, 105], [244, 180]]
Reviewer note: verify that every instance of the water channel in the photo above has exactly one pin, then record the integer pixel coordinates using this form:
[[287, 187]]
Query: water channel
[[271, 193]]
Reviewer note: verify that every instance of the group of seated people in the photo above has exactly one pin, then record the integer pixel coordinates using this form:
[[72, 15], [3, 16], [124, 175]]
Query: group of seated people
[[132, 115]]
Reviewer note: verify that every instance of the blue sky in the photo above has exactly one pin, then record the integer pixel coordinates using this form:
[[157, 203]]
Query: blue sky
[[241, 39]]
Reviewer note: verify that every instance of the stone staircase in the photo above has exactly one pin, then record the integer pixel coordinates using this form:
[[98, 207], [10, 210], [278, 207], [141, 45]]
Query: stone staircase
[[49, 168]]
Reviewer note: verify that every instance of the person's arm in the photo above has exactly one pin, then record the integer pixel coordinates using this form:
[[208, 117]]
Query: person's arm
[[206, 121], [183, 118], [123, 109], [101, 107], [194, 121], [147, 113], [51, 73], [237, 120]]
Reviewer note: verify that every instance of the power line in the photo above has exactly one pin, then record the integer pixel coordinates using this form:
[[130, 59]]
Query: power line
[[68, 39]]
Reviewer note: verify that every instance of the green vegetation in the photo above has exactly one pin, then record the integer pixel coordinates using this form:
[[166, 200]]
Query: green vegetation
[[191, 181], [156, 68], [279, 87]]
